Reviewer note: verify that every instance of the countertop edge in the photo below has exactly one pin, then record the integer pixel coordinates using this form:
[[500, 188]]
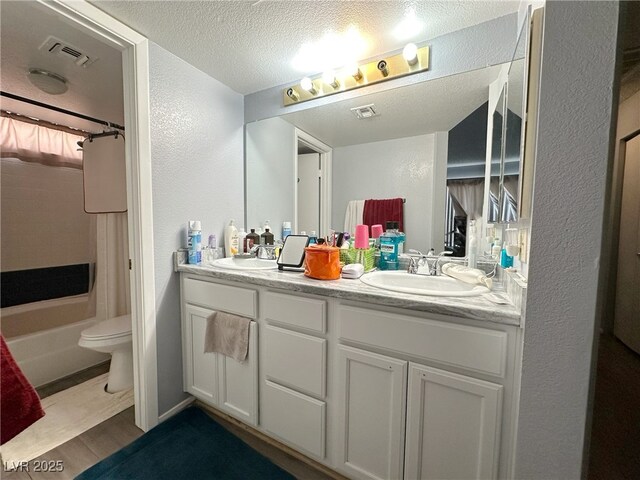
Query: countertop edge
[[472, 308]]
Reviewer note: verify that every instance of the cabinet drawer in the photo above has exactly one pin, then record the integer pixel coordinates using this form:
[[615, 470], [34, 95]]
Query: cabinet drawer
[[307, 313], [236, 300], [293, 417], [295, 359], [475, 349]]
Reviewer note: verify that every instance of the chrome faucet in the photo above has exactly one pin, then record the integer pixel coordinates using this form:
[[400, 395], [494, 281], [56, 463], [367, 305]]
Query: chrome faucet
[[416, 261], [264, 252], [419, 259], [433, 269]]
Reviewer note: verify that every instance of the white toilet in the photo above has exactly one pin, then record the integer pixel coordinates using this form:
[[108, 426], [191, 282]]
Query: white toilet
[[113, 336]]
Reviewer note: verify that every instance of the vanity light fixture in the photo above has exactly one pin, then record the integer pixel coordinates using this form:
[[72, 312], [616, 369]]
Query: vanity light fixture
[[329, 77], [410, 54], [307, 84], [353, 75]]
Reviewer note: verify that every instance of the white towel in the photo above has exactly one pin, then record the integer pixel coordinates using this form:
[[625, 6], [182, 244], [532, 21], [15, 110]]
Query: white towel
[[353, 215], [227, 334], [466, 274]]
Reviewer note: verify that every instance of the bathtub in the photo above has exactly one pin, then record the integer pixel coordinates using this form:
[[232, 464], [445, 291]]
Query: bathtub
[[47, 354]]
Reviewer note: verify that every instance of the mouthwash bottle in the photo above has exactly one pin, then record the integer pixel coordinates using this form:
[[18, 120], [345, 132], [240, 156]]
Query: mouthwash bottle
[[389, 243]]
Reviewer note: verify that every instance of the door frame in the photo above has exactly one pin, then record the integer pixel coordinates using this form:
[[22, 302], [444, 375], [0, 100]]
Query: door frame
[[135, 72], [326, 154], [628, 126]]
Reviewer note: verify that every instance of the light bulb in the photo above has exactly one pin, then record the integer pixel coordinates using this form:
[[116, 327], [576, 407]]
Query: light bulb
[[307, 85], [329, 77], [410, 53], [353, 70]]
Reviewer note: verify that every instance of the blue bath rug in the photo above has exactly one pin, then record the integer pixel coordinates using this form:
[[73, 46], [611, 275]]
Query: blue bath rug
[[190, 445]]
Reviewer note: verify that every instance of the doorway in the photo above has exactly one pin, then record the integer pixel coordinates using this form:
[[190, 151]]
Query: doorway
[[135, 52], [312, 209], [615, 437]]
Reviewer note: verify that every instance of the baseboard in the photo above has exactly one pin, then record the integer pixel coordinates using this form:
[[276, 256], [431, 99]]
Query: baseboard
[[271, 441], [177, 408]]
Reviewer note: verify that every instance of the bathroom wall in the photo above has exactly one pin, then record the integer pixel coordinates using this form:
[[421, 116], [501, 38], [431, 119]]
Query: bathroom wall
[[270, 156], [572, 160], [197, 174], [402, 167]]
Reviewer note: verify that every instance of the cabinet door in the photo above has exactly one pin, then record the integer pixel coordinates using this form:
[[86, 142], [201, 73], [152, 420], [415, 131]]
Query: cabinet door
[[371, 414], [453, 426], [200, 369], [239, 382]]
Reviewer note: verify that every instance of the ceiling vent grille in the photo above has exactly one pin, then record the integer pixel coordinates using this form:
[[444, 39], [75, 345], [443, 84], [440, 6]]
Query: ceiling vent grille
[[55, 46], [365, 111]]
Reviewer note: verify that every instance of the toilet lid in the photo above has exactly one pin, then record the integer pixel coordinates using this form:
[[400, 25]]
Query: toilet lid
[[113, 327]]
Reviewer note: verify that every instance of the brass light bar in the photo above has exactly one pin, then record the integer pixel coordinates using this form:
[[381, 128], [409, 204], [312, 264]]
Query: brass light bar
[[380, 70]]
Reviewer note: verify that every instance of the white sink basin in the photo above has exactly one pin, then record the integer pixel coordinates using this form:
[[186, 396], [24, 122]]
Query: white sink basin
[[404, 282], [252, 263]]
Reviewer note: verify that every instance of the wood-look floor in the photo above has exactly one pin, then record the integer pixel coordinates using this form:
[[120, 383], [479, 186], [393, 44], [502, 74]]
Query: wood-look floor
[[615, 432], [95, 444]]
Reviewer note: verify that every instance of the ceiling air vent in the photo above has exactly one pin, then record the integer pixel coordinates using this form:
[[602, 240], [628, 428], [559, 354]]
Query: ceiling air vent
[[55, 46], [365, 111]]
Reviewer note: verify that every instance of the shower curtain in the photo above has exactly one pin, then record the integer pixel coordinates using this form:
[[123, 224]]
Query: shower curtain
[[110, 293]]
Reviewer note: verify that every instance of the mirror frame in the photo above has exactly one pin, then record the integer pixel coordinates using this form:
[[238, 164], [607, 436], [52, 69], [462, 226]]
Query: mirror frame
[[525, 33]]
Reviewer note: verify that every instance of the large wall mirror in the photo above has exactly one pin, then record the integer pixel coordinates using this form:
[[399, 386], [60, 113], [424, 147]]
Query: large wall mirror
[[425, 143]]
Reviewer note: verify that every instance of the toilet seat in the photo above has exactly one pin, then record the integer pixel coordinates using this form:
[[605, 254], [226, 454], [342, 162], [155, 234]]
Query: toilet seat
[[111, 329]]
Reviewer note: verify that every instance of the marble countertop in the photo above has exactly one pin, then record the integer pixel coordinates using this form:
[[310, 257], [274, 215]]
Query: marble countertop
[[476, 308]]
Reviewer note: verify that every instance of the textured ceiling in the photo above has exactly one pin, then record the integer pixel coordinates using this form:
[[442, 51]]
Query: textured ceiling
[[426, 107], [95, 91], [250, 45]]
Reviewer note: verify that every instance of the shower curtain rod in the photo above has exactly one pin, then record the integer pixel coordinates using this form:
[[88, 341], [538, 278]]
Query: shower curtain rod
[[61, 110]]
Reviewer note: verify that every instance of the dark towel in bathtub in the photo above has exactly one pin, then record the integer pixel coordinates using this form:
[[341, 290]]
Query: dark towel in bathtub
[[382, 211], [19, 403]]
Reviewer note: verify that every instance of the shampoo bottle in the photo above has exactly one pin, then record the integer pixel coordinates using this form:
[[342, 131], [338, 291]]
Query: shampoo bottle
[[230, 240]]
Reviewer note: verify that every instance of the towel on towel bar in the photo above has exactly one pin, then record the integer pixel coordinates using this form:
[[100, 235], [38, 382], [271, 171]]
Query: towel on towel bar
[[383, 211], [353, 215], [227, 334]]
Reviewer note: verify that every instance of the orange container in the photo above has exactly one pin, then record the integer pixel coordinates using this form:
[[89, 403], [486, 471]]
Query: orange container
[[322, 262]]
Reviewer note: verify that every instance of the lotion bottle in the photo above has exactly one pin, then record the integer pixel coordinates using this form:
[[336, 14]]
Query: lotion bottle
[[230, 240]]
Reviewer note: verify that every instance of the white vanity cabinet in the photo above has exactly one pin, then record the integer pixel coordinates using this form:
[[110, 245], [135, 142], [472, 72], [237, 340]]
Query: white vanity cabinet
[[453, 425], [371, 391], [293, 353], [371, 414], [215, 379], [398, 418]]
